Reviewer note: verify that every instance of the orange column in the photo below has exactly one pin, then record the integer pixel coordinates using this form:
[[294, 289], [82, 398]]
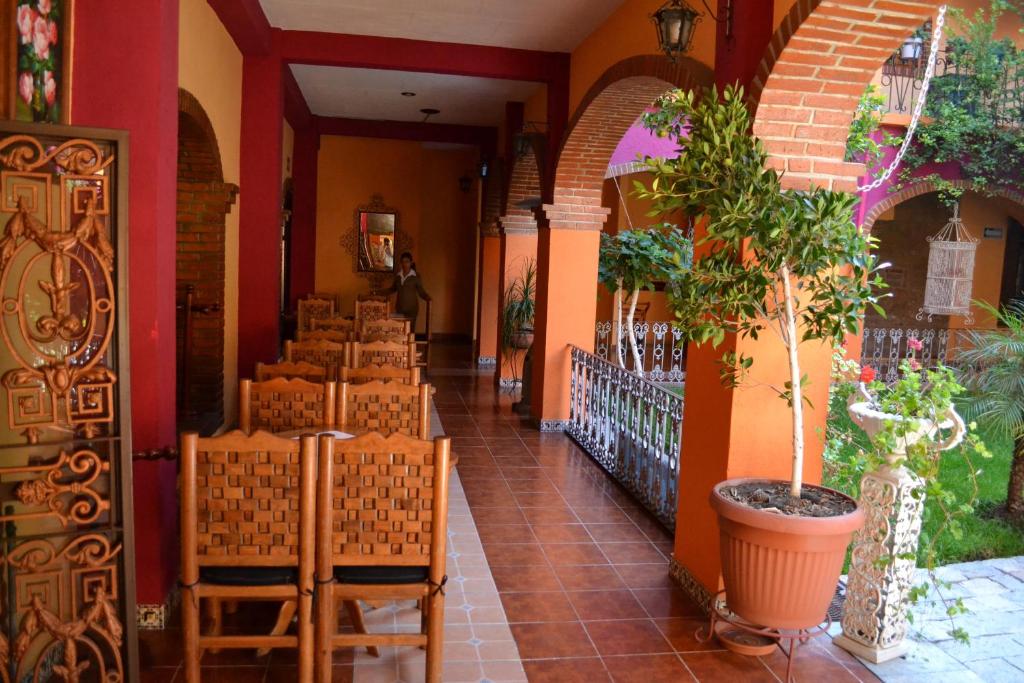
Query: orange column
[[518, 247], [567, 255], [490, 288]]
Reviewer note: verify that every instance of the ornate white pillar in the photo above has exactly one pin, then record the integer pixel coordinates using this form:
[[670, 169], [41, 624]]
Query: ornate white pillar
[[875, 612]]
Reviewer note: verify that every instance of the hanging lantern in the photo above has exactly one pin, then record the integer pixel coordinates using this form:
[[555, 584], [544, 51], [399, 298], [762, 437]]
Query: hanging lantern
[[675, 21], [950, 270]]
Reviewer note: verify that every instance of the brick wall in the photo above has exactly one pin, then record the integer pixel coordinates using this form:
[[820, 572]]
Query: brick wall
[[203, 201]]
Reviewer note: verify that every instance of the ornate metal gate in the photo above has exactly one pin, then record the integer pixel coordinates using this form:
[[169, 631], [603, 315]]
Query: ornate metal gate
[[66, 560]]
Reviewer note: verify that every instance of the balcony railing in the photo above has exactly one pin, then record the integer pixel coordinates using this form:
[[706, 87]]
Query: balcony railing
[[902, 79], [660, 345], [631, 426], [884, 347]]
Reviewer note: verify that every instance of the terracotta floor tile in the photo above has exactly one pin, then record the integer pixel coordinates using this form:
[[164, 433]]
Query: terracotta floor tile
[[608, 604], [561, 533], [573, 553], [635, 636], [531, 486], [543, 641], [600, 515], [588, 577], [727, 666], [618, 533], [539, 578], [550, 515], [515, 554], [645, 575], [505, 533], [497, 515], [667, 602], [632, 553], [682, 633], [525, 607], [648, 669], [566, 671], [529, 499], [813, 663]]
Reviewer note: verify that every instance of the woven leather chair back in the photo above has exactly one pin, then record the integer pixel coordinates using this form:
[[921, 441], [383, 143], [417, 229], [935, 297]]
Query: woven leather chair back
[[371, 310], [395, 354], [374, 329], [280, 405], [380, 373], [385, 407], [313, 307], [326, 354], [300, 370], [384, 493], [336, 323], [336, 336]]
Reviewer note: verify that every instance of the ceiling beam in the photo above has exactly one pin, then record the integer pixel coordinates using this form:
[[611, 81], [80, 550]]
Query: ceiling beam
[[484, 137], [246, 23], [400, 54], [296, 110]]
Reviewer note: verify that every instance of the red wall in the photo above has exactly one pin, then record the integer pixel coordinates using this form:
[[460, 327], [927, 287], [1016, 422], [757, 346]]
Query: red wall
[[126, 76]]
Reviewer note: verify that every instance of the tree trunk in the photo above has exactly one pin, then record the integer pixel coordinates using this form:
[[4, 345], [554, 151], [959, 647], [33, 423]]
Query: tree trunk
[[796, 394], [638, 365], [617, 326], [1015, 491]]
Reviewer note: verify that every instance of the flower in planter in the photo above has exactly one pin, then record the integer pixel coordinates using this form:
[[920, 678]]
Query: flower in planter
[[915, 344], [867, 374]]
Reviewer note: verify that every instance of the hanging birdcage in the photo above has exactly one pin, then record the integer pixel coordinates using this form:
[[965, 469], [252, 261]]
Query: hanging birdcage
[[950, 270]]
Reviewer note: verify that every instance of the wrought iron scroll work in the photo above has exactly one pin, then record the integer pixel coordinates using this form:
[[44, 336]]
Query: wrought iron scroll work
[[61, 381], [350, 240]]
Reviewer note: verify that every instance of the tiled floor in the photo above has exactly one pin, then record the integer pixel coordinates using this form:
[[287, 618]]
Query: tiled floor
[[580, 571]]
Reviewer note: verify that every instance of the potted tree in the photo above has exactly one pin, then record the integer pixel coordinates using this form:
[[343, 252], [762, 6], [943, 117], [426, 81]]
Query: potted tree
[[772, 261], [636, 259], [517, 313]]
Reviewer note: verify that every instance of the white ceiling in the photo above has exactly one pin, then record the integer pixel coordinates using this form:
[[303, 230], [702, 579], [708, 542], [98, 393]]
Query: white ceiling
[[377, 94], [553, 25]]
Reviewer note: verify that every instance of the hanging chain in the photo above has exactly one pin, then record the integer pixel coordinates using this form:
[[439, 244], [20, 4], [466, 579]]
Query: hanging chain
[[940, 20]]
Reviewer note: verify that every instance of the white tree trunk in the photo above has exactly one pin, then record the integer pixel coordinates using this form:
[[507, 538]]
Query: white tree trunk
[[638, 365], [617, 326], [796, 394]]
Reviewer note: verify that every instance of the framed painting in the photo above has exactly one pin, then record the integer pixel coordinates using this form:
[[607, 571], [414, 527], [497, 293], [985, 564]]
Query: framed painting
[[37, 59], [377, 241]]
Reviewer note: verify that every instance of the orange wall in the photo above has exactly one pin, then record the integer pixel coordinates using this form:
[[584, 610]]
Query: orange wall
[[490, 263], [422, 184], [627, 32], [210, 67]]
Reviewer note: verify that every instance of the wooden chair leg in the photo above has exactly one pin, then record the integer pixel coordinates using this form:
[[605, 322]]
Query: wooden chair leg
[[435, 636], [355, 613], [215, 613], [190, 634], [284, 617], [324, 626], [306, 659]]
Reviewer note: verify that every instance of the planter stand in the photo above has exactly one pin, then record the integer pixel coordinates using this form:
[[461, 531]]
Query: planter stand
[[875, 612], [748, 639]]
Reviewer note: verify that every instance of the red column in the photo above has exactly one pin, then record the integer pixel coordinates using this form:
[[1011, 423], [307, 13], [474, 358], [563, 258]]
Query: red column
[[303, 243], [558, 120], [741, 40], [259, 248], [140, 94]]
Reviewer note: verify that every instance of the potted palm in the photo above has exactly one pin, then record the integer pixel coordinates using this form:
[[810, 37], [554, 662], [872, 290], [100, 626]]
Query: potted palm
[[783, 262], [518, 309]]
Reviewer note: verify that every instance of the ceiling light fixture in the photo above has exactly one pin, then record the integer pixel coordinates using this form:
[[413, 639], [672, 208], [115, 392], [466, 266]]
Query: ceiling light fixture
[[408, 93], [428, 112]]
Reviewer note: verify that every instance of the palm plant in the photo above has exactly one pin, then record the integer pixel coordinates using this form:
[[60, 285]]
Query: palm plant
[[992, 369]]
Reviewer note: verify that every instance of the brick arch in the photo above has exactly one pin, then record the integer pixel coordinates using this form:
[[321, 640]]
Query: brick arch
[[610, 107], [524, 183], [926, 187], [204, 200], [492, 201], [820, 60]]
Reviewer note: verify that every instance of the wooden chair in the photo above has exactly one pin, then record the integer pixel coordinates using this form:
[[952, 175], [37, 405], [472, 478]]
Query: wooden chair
[[247, 533], [280, 405], [391, 338], [393, 327], [384, 407], [336, 336], [300, 370], [313, 307], [326, 354], [371, 310], [336, 323], [382, 523], [396, 354], [381, 373]]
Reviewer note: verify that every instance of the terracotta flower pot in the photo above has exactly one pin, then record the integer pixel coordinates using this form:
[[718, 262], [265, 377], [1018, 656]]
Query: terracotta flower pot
[[523, 339], [780, 571]]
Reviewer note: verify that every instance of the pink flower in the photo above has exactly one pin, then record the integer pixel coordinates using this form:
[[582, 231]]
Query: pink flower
[[45, 6], [53, 32], [915, 344], [26, 17], [49, 87], [26, 87], [867, 374], [41, 38], [914, 365]]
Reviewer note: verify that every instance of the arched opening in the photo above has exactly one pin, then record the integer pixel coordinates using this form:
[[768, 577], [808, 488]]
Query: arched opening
[[204, 199], [575, 212], [902, 223]]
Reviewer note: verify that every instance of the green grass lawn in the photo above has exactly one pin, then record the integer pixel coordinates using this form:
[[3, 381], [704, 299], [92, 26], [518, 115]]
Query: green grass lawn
[[984, 536]]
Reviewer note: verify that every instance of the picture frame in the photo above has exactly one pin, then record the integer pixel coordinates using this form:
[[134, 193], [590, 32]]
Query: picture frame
[[35, 64]]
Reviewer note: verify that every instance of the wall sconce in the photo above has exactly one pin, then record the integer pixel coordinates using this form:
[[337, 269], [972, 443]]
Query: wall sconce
[[675, 22], [483, 168], [523, 140]]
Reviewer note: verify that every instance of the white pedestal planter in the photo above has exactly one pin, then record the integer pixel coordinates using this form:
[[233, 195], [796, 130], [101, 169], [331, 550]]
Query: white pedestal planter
[[875, 612]]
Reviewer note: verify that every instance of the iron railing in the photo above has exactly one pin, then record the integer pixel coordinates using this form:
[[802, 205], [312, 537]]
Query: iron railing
[[660, 345], [631, 426], [901, 82], [884, 347]]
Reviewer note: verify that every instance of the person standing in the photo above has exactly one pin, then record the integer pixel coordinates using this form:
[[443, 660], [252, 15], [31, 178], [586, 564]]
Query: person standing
[[408, 288]]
